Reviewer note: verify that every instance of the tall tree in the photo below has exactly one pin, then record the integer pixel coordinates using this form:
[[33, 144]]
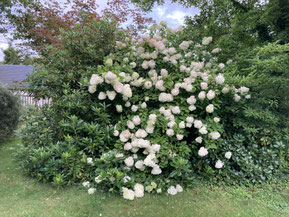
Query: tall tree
[[41, 24]]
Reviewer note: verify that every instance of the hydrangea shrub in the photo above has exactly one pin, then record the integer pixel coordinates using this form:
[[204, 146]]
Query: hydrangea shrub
[[166, 95]]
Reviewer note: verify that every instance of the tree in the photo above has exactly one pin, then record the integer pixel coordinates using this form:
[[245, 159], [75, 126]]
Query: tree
[[14, 56], [41, 24], [6, 8]]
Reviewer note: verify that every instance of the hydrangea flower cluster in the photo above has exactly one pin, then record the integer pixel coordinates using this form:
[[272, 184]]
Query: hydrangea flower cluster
[[166, 94]]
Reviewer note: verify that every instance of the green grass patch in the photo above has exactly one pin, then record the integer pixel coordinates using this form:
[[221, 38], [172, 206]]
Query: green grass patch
[[21, 196]]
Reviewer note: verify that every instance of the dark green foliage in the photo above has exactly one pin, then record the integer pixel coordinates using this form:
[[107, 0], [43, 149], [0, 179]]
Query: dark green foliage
[[57, 139], [265, 70], [9, 112], [254, 160]]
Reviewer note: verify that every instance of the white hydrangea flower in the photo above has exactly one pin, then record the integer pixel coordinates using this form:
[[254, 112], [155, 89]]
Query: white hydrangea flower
[[133, 64], [199, 139], [153, 117], [89, 160], [210, 108], [136, 120], [119, 108], [203, 152], [216, 50], [86, 184], [172, 190], [140, 165], [140, 133], [148, 84], [204, 85], [150, 129], [101, 96], [127, 91], [115, 132], [98, 179], [215, 135], [202, 95], [190, 120], [171, 124], [143, 105], [111, 94], [147, 98], [165, 97], [244, 90], [134, 108], [124, 136], [126, 179], [127, 146], [237, 98], [129, 161], [139, 190], [220, 79], [219, 164], [225, 90], [156, 170], [179, 188], [110, 77], [216, 119], [248, 96], [176, 110], [118, 87], [127, 104], [91, 190], [164, 73], [192, 108], [211, 94], [184, 45], [221, 65], [198, 124], [95, 80], [92, 89], [203, 130], [170, 132], [207, 40], [182, 125], [128, 194], [180, 136], [191, 100], [228, 155], [175, 91], [130, 124]]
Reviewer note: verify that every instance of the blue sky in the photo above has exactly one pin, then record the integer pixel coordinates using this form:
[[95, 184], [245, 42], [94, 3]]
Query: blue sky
[[172, 13]]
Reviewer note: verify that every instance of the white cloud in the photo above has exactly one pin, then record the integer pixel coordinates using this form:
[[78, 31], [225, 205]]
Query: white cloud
[[178, 16], [160, 11]]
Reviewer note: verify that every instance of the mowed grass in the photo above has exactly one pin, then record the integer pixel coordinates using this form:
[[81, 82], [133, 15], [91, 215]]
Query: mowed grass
[[21, 196]]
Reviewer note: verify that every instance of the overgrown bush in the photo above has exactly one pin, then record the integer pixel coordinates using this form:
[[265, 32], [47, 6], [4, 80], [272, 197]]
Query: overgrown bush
[[10, 109], [148, 117]]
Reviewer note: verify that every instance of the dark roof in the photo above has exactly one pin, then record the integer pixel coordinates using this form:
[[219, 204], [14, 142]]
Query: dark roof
[[11, 73]]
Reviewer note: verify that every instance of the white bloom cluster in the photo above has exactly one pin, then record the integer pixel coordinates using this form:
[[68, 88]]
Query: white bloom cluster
[[154, 100]]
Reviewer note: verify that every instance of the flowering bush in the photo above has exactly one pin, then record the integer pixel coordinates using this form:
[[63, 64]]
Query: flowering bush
[[166, 96]]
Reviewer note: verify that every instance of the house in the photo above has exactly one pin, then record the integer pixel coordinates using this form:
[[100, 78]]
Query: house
[[13, 74], [9, 74]]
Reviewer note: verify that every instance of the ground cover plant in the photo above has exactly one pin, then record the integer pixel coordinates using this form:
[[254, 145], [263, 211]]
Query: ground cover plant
[[24, 196]]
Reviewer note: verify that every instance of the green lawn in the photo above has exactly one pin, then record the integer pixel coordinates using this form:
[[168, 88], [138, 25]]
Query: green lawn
[[22, 196]]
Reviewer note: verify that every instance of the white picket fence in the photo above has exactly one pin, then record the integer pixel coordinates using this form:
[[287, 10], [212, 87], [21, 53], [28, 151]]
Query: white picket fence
[[29, 100]]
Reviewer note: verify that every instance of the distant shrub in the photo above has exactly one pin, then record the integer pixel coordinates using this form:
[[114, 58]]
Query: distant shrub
[[9, 112]]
